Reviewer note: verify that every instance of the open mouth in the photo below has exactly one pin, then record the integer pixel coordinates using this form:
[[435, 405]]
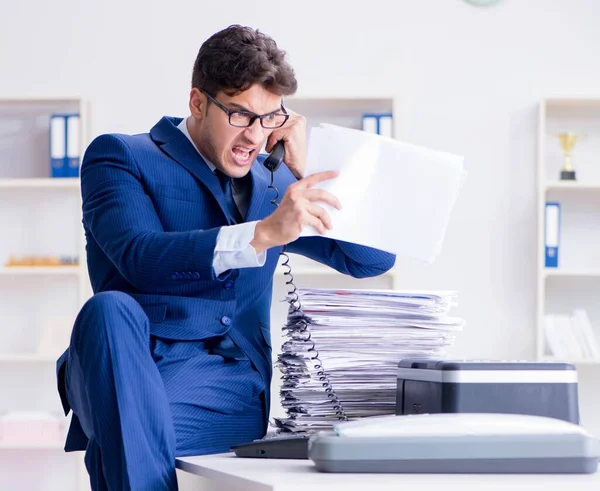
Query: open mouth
[[242, 156]]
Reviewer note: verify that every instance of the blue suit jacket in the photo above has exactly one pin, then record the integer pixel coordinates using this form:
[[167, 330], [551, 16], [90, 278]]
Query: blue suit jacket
[[152, 210]]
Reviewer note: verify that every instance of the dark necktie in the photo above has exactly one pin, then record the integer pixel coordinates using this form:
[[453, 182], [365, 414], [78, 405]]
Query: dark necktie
[[227, 187]]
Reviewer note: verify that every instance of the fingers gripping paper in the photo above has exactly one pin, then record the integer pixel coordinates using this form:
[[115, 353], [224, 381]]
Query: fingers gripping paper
[[395, 196]]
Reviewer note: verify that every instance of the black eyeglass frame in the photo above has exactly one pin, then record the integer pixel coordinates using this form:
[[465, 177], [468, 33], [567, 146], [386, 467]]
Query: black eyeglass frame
[[253, 116]]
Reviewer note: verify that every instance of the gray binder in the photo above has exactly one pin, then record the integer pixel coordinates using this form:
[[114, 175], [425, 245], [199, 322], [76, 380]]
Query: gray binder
[[456, 443]]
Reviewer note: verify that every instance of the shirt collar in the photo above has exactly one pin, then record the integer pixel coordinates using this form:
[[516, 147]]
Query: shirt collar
[[183, 127]]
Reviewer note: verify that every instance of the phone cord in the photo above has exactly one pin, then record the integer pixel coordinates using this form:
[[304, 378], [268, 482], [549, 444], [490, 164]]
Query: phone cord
[[295, 307]]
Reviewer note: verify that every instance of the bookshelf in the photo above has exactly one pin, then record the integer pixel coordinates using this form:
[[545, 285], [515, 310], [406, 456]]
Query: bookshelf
[[575, 283], [344, 111], [34, 446], [40, 215], [573, 186], [27, 358], [582, 272], [38, 183], [40, 271]]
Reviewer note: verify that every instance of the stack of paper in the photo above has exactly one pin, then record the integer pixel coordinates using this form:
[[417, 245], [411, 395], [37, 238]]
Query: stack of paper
[[342, 348]]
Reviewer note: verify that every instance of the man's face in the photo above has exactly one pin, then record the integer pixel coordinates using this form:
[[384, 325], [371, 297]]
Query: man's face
[[231, 149]]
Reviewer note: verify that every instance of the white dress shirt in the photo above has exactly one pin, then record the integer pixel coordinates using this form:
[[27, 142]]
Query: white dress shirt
[[233, 249]]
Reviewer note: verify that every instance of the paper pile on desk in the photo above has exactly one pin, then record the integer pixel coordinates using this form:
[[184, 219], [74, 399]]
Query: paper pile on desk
[[342, 348], [395, 196]]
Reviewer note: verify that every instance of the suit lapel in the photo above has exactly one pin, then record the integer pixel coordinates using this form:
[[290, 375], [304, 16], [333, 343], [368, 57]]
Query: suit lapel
[[176, 145]]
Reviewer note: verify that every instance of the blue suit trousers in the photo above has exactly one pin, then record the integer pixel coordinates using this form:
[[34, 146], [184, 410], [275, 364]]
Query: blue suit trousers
[[141, 401]]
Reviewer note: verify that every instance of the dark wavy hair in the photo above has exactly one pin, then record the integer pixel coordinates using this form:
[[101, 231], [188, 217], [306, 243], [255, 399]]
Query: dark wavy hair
[[235, 58]]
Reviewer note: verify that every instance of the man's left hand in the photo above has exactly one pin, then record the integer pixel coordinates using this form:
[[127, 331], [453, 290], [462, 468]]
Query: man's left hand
[[293, 134]]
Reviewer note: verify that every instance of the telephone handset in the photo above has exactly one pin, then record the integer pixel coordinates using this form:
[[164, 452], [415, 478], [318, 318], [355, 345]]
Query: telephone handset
[[273, 161]]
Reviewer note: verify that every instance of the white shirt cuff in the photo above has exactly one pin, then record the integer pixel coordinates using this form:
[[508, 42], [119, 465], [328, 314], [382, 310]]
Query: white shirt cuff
[[233, 249]]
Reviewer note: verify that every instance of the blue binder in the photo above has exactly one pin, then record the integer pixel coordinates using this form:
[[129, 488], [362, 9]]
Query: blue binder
[[73, 131], [58, 145], [378, 123], [386, 125], [370, 123], [552, 234]]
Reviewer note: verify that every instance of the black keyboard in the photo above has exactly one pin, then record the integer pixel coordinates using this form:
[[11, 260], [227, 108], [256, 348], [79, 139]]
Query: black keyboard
[[275, 447]]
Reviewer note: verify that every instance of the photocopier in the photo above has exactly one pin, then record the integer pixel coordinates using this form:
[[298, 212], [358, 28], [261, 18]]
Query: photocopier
[[479, 386], [458, 416]]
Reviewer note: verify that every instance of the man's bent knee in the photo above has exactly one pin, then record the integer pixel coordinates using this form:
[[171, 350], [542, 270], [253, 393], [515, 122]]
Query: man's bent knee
[[109, 310]]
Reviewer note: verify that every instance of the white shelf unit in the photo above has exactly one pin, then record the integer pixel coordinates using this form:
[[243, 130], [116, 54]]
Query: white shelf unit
[[41, 271], [39, 182], [35, 446], [575, 283], [27, 358], [592, 272], [573, 186], [39, 215], [344, 111]]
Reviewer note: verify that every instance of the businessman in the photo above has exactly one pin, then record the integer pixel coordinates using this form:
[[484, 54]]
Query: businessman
[[172, 356]]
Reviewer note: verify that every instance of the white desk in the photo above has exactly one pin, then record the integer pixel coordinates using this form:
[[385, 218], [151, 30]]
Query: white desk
[[227, 472]]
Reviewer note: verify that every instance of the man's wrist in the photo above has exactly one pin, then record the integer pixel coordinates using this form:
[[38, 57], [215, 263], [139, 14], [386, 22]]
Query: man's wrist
[[261, 240]]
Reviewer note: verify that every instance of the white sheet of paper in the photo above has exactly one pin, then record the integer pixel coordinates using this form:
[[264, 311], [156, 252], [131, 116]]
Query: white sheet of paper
[[395, 196]]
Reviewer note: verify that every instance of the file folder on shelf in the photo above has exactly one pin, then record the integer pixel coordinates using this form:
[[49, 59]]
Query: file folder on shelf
[[73, 129], [378, 123], [369, 123], [58, 146], [552, 234], [386, 125], [64, 145]]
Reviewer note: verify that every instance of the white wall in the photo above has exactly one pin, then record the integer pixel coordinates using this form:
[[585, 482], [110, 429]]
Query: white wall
[[468, 79]]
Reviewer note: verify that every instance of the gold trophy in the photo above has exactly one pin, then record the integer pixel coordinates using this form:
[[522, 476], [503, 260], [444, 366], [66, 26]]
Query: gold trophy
[[567, 142]]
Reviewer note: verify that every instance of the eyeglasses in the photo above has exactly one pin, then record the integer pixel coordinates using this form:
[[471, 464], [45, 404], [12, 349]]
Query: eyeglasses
[[243, 119]]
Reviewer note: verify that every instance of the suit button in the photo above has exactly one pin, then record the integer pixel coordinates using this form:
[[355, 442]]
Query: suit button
[[228, 284], [188, 276], [196, 276], [174, 276], [226, 321]]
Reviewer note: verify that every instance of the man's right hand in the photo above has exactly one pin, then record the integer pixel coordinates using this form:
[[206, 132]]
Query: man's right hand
[[296, 210]]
